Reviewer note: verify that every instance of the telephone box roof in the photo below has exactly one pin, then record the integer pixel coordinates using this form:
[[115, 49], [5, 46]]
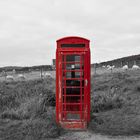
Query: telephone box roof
[[72, 37]]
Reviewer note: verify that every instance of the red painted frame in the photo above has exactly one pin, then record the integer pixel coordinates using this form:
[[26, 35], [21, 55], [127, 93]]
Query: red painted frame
[[59, 53]]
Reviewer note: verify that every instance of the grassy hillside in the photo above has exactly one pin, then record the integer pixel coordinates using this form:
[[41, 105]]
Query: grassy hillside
[[27, 108], [116, 103]]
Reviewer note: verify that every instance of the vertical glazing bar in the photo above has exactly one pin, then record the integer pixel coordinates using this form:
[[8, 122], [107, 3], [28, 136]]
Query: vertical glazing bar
[[81, 86], [65, 87], [61, 84], [85, 88]]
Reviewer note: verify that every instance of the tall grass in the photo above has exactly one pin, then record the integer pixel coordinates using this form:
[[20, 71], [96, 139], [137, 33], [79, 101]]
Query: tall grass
[[115, 104], [29, 107]]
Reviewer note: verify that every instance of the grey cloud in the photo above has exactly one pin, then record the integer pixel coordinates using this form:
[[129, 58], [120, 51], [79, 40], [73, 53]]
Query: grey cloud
[[29, 29]]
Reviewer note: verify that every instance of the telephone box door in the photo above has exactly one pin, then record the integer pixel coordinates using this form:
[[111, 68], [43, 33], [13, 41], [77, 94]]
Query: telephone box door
[[74, 84]]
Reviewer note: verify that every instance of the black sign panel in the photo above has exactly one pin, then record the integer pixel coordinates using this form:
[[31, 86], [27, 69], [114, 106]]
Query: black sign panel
[[72, 45]]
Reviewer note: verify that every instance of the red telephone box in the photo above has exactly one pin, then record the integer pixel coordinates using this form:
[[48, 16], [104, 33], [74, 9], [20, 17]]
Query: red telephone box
[[73, 82]]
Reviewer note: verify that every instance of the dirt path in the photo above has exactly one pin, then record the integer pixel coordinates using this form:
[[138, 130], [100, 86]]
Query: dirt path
[[71, 135], [86, 135]]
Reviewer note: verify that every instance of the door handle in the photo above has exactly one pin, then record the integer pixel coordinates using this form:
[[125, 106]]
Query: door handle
[[86, 82]]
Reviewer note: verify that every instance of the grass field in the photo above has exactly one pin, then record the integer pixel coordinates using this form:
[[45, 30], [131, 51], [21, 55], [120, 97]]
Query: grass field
[[116, 103], [34, 75], [27, 108]]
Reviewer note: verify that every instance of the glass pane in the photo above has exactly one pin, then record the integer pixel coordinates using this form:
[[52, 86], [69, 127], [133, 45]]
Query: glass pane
[[77, 74], [82, 83], [73, 58], [63, 58], [73, 91], [72, 82], [72, 66], [73, 116], [63, 66], [63, 99], [63, 92], [73, 107], [68, 74], [83, 91], [73, 99], [74, 74]]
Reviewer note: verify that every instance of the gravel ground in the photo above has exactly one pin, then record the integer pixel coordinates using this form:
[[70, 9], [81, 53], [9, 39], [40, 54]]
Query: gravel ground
[[86, 135]]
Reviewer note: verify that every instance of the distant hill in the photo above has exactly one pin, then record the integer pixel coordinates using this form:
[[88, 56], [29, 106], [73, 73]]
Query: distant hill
[[129, 60], [26, 69]]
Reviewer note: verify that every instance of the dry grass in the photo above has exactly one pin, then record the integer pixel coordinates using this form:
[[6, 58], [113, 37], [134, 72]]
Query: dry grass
[[27, 110], [116, 103]]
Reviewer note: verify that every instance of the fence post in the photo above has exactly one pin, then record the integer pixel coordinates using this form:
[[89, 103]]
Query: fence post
[[95, 69], [41, 73]]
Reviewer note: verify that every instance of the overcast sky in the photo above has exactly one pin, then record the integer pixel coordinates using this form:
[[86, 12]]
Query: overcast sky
[[29, 28]]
